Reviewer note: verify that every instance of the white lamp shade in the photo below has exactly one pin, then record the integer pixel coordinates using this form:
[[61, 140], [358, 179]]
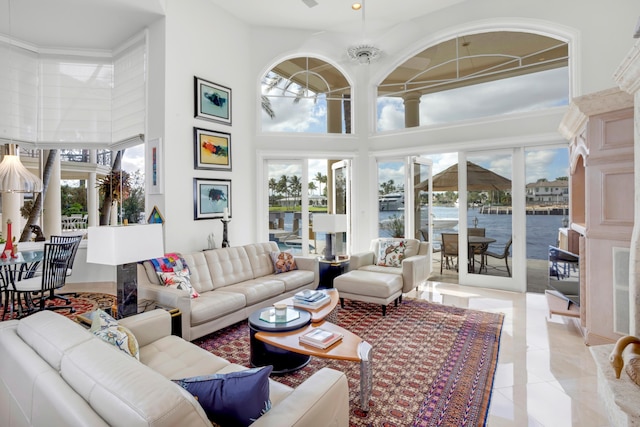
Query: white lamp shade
[[15, 178], [329, 223], [124, 244]]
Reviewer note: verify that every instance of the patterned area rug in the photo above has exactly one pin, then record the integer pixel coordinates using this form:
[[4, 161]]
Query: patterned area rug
[[83, 302], [433, 365]]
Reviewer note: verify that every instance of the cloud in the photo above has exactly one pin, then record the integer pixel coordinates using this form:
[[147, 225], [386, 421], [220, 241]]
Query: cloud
[[529, 92]]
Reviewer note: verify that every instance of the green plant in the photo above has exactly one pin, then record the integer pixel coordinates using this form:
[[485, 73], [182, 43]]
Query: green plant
[[395, 224]]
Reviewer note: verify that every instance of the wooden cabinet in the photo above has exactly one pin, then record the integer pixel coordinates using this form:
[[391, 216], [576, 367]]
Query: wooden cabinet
[[600, 130]]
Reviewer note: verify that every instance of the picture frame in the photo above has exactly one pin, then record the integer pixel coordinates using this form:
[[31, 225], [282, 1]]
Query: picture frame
[[211, 197], [211, 149], [212, 101], [153, 166], [155, 217]]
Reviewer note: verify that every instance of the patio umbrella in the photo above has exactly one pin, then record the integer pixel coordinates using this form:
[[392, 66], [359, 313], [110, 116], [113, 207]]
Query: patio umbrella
[[478, 179]]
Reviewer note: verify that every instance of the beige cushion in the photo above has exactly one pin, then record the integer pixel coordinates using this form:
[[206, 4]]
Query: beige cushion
[[260, 258], [228, 266], [215, 304], [258, 290], [369, 283], [200, 275]]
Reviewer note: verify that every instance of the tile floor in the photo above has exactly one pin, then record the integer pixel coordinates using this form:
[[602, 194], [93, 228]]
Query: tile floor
[[545, 376]]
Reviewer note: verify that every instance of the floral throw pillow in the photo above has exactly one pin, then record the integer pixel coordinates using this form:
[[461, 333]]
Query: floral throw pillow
[[179, 280], [391, 253], [283, 262], [106, 327]]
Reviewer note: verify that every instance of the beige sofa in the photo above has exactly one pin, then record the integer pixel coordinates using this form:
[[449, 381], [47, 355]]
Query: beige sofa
[[232, 283], [54, 373]]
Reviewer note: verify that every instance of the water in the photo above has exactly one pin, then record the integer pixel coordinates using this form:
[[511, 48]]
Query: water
[[542, 230]]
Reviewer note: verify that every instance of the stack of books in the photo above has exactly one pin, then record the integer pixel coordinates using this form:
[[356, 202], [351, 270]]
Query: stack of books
[[310, 299], [320, 338]]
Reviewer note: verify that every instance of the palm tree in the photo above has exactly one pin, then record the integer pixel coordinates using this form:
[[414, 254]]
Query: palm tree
[[322, 179], [36, 207], [114, 186]]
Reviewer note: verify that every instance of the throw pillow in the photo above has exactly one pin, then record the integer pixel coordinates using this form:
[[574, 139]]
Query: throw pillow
[[391, 253], [169, 262], [106, 327], [233, 399], [179, 280], [283, 262]]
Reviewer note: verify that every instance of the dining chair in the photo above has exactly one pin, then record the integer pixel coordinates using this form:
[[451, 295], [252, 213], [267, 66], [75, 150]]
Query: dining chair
[[55, 263], [504, 254], [76, 239], [449, 249], [478, 249]]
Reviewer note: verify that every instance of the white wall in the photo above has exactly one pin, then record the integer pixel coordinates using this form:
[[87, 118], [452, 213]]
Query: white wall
[[203, 41], [600, 33]]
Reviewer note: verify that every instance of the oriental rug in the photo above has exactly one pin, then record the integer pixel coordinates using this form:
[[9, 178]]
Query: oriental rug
[[83, 302], [433, 365]]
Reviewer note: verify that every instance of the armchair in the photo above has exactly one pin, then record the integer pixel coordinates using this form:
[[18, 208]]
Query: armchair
[[381, 275]]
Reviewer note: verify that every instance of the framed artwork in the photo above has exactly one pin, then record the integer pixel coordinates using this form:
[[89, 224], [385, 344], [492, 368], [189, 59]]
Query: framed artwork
[[153, 165], [213, 101], [211, 149], [155, 217], [211, 197]]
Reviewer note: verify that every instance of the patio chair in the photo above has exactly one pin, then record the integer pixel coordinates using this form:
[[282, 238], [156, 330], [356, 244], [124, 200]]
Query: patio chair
[[504, 254], [449, 250]]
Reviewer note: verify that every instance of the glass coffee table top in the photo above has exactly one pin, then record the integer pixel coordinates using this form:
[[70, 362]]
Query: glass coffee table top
[[269, 315]]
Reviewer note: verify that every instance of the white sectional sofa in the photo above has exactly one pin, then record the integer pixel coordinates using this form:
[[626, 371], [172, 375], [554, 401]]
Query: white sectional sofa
[[232, 282], [55, 373]]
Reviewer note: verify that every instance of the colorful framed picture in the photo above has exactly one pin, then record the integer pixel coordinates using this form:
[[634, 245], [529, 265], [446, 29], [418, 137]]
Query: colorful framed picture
[[155, 217], [212, 101], [211, 197], [211, 149], [153, 165]]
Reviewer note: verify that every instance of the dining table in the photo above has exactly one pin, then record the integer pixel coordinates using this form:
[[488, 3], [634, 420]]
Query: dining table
[[481, 243], [14, 268]]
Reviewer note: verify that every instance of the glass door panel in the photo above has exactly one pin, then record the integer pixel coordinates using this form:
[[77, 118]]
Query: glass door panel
[[489, 209], [391, 202], [342, 202], [421, 199], [284, 180]]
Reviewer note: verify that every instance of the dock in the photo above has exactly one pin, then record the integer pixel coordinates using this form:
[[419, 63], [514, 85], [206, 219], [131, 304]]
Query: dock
[[530, 210]]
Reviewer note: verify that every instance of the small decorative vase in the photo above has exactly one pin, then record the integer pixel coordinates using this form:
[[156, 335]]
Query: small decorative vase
[[8, 247]]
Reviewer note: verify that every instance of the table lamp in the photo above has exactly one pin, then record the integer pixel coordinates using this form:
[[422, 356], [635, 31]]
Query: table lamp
[[123, 246], [330, 224]]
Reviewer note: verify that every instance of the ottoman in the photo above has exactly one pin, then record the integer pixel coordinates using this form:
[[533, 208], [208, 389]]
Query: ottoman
[[369, 286]]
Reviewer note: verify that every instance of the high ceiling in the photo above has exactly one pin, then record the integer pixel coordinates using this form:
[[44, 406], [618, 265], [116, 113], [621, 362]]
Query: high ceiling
[[104, 24]]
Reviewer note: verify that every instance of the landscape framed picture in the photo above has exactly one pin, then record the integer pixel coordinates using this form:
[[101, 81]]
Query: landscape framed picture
[[211, 197], [211, 149], [212, 101]]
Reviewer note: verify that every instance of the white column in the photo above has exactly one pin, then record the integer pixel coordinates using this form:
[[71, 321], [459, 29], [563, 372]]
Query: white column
[[52, 212], [92, 192], [628, 78], [411, 109], [11, 203]]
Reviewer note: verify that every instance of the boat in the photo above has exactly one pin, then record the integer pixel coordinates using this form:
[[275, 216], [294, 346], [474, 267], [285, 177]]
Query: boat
[[391, 202]]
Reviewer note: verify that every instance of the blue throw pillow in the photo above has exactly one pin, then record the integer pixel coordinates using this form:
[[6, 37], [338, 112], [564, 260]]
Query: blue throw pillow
[[233, 399]]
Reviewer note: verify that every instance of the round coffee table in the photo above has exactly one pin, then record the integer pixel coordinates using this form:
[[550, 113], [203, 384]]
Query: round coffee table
[[263, 354]]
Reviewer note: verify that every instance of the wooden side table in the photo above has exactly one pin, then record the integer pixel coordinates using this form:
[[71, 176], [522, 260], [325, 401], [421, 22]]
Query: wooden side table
[[329, 270]]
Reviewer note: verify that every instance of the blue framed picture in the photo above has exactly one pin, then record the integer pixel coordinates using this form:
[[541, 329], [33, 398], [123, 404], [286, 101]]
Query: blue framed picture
[[211, 197], [212, 101]]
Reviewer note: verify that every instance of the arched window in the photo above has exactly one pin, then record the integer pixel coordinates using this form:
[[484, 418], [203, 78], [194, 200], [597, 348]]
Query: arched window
[[306, 95], [473, 76]]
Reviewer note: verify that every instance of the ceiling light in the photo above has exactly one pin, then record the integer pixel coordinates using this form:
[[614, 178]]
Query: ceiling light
[[364, 54], [356, 6]]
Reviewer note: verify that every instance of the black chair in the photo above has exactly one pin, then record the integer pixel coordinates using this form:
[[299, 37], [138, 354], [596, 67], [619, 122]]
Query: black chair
[[55, 264], [75, 240], [504, 254]]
